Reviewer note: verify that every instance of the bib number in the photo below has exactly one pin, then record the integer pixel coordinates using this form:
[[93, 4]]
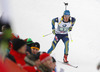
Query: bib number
[[62, 29]]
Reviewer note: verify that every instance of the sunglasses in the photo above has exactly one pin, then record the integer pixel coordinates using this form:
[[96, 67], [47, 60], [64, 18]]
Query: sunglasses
[[67, 15]]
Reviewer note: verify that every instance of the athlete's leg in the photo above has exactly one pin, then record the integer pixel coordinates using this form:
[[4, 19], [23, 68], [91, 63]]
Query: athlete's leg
[[54, 43], [66, 42]]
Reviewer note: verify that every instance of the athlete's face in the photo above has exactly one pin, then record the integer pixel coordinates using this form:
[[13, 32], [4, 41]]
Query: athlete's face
[[66, 18]]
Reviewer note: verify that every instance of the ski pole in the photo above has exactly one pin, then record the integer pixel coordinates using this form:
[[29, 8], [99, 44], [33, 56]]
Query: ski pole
[[70, 37], [66, 4], [47, 35]]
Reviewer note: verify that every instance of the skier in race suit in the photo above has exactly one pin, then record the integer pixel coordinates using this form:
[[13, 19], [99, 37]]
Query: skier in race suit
[[65, 24]]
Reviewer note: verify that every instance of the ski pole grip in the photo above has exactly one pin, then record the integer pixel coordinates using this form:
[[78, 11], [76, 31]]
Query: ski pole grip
[[65, 3]]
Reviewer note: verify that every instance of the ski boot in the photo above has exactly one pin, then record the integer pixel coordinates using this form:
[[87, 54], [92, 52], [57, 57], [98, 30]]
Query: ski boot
[[65, 58]]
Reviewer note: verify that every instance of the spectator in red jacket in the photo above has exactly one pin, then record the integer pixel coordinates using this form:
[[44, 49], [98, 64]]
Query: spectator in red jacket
[[46, 63], [19, 52]]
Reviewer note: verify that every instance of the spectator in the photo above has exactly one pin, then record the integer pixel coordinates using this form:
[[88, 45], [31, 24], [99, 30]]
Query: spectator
[[46, 63], [9, 30], [29, 44], [33, 60], [7, 35], [18, 52], [35, 48]]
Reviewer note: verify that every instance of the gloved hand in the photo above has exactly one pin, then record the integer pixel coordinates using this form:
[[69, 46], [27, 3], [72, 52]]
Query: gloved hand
[[70, 29], [53, 31]]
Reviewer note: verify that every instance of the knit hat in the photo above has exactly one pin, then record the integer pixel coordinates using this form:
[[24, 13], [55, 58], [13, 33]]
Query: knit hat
[[35, 45], [18, 43], [29, 41], [44, 57], [66, 12]]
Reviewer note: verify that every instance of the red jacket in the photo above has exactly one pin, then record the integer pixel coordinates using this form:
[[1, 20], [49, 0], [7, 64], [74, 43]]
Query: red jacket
[[20, 60], [18, 57], [2, 66]]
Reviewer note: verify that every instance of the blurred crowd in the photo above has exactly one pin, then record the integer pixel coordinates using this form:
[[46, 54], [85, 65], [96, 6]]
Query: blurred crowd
[[24, 52]]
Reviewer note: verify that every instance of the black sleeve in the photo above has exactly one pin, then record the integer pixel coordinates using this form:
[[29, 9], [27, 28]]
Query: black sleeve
[[11, 58]]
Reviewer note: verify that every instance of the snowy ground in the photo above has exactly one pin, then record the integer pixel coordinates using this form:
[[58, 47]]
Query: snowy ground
[[32, 18]]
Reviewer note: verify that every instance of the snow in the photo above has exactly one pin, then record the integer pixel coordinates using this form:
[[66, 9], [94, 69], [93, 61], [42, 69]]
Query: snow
[[32, 19]]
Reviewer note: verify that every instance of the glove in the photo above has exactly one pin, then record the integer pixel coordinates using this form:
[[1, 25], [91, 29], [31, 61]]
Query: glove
[[70, 29], [53, 31]]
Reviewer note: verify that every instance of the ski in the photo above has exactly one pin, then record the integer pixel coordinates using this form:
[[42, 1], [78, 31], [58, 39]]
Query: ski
[[68, 64]]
